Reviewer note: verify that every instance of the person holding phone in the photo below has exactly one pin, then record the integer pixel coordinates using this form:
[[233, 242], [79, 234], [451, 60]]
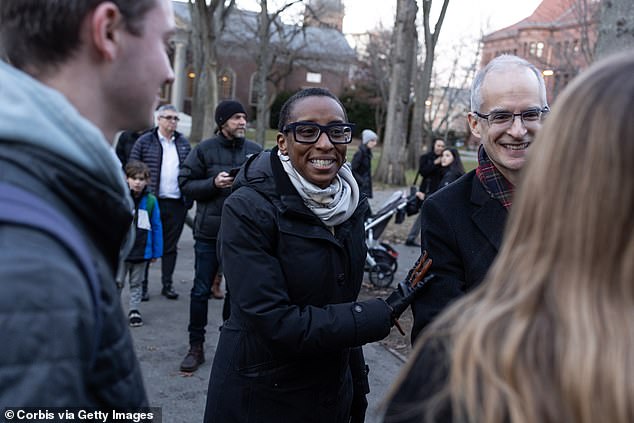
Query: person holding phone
[[206, 177]]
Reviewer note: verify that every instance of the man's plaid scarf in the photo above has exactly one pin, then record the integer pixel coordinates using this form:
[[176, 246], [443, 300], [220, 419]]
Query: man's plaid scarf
[[493, 181]]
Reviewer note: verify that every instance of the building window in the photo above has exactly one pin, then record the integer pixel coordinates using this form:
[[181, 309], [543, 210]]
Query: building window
[[226, 83], [540, 49], [532, 49], [313, 77]]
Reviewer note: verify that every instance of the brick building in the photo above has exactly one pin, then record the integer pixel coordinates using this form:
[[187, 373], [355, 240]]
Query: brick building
[[315, 54], [558, 38]]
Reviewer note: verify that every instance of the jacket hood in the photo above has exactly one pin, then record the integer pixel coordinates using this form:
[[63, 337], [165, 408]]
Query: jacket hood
[[258, 174], [264, 173], [53, 151], [34, 114]]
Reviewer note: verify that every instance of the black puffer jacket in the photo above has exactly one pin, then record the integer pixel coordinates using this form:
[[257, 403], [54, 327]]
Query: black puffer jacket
[[148, 149], [294, 320], [197, 174]]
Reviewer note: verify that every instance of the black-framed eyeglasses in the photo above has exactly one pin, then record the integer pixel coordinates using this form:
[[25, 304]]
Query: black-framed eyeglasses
[[503, 118], [173, 118], [309, 132]]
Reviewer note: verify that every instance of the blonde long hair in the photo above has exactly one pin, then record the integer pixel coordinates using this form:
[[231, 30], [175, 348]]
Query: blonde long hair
[[549, 336]]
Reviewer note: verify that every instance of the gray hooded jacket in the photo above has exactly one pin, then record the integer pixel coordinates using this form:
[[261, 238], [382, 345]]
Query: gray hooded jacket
[[47, 318]]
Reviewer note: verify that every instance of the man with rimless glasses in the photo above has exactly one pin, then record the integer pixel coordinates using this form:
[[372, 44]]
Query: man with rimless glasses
[[163, 150], [462, 224]]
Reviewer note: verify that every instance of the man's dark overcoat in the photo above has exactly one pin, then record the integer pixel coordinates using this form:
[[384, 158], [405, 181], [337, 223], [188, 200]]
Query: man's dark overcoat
[[461, 229]]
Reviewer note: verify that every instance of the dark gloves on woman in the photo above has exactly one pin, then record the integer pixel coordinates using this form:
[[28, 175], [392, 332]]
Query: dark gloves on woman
[[409, 288]]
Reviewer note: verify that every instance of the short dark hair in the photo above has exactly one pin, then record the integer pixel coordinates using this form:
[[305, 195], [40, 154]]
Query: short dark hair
[[36, 33], [136, 167], [287, 108]]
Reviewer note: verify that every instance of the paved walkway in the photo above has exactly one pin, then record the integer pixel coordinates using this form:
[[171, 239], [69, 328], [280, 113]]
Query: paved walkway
[[162, 342]]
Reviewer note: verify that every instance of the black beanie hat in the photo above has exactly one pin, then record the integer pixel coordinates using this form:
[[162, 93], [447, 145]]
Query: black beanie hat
[[226, 109]]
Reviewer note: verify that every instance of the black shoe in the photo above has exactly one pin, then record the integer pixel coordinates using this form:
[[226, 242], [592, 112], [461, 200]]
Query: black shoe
[[145, 296], [194, 358], [411, 243], [169, 293]]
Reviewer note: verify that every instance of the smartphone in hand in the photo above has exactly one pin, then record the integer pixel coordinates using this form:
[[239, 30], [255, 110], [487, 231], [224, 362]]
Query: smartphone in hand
[[234, 171]]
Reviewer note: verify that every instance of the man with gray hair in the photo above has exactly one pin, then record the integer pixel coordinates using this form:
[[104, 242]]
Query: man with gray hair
[[164, 149], [69, 81], [462, 224]]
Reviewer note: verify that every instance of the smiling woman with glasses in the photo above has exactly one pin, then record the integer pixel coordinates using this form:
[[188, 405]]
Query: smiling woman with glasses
[[293, 250]]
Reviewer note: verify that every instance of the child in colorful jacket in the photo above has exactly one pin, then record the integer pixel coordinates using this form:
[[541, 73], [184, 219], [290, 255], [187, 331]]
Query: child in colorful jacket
[[148, 242]]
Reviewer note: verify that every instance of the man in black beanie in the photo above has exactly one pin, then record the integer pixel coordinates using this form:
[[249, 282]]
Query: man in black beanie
[[206, 176]]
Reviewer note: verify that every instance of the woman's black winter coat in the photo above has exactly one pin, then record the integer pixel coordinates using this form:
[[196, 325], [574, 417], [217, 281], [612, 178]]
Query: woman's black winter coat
[[287, 352]]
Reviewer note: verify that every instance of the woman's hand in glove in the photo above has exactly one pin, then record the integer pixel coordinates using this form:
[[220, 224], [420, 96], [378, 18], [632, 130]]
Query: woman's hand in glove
[[409, 288]]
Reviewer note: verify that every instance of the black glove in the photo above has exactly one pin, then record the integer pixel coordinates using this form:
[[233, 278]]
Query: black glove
[[409, 288], [403, 296]]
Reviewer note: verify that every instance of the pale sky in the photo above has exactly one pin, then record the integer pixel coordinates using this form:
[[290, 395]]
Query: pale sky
[[464, 18], [464, 22]]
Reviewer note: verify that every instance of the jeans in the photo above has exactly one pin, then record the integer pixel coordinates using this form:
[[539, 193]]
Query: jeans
[[205, 268]]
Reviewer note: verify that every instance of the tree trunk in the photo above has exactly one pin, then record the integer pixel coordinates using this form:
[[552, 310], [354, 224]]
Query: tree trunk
[[391, 168], [616, 28], [270, 70], [419, 136], [263, 67], [207, 24]]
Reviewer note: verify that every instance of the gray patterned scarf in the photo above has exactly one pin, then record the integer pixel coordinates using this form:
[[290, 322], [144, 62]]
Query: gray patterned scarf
[[333, 204]]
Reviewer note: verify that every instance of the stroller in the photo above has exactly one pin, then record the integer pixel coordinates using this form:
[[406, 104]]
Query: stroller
[[381, 261]]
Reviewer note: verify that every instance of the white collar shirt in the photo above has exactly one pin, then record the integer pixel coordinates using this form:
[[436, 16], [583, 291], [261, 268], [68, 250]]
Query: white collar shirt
[[168, 182]]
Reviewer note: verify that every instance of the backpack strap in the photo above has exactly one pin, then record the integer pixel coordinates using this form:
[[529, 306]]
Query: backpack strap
[[20, 207]]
